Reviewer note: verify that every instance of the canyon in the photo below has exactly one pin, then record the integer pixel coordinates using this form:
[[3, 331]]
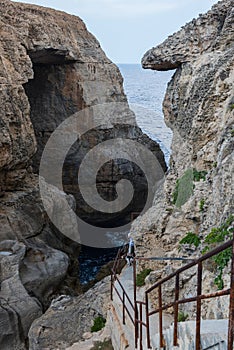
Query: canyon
[[49, 73]]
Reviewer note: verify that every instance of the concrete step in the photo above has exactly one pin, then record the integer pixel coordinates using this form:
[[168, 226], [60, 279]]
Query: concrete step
[[213, 332], [122, 335], [128, 328], [213, 335]]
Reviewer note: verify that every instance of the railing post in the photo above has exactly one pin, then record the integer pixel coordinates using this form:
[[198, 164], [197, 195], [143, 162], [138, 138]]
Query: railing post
[[135, 304], [141, 345], [198, 311], [123, 307], [231, 307], [111, 286], [114, 271], [160, 316], [117, 260], [176, 310], [147, 320], [198, 298]]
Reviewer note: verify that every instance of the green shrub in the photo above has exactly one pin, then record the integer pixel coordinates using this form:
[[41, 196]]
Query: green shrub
[[201, 204], [217, 236], [199, 175], [191, 239], [215, 165], [182, 317], [221, 260], [184, 186], [140, 278], [99, 323]]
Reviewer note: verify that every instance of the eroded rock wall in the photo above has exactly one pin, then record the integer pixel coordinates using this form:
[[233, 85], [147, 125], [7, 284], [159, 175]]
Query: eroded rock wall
[[198, 107], [60, 69], [69, 318], [50, 68]]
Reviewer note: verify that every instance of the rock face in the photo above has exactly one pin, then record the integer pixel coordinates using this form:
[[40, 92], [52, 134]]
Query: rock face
[[59, 70], [33, 273], [210, 32], [48, 73], [68, 319], [18, 309], [198, 107]]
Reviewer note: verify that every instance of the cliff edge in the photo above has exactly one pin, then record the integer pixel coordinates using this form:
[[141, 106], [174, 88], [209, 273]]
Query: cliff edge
[[198, 107]]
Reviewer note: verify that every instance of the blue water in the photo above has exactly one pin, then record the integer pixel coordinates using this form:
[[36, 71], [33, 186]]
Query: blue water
[[145, 90]]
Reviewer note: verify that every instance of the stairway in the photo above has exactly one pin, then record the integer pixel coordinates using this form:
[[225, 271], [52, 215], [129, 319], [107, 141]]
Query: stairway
[[213, 336], [213, 332], [123, 336]]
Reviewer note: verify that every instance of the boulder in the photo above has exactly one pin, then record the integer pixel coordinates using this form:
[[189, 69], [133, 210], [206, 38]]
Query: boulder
[[69, 318], [17, 308]]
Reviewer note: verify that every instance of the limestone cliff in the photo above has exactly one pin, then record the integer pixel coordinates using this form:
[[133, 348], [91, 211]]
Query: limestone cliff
[[51, 72], [198, 107], [50, 68]]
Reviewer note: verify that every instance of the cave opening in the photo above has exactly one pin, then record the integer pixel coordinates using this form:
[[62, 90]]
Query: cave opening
[[54, 94]]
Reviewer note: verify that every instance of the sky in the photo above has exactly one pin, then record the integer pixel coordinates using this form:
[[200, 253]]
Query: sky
[[126, 29]]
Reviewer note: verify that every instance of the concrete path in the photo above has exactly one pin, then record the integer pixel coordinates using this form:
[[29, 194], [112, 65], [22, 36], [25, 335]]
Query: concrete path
[[213, 335], [213, 332], [126, 279]]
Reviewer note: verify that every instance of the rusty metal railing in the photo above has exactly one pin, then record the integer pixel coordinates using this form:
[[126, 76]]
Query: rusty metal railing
[[129, 310], [114, 270], [198, 299], [134, 309], [134, 215]]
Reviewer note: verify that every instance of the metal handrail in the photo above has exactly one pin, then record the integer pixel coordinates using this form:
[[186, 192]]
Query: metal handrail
[[198, 298], [137, 320], [123, 289], [122, 299], [138, 314], [114, 268], [114, 278]]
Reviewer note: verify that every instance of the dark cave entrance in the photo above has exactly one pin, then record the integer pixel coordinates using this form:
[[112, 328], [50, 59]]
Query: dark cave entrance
[[52, 94], [55, 93]]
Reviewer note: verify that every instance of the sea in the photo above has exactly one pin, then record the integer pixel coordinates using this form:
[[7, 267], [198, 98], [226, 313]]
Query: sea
[[145, 90]]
